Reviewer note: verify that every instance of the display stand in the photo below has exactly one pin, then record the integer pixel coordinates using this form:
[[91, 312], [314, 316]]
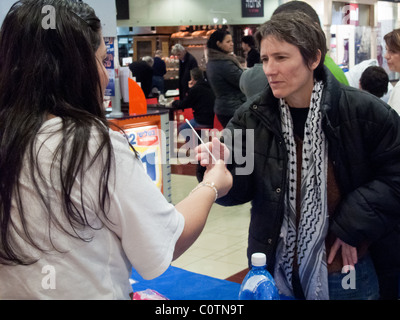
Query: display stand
[[141, 133]]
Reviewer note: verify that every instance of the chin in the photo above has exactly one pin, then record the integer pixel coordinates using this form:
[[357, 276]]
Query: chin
[[278, 94]]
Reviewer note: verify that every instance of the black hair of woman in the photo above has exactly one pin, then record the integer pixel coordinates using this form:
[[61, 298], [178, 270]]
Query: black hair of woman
[[217, 36], [47, 73]]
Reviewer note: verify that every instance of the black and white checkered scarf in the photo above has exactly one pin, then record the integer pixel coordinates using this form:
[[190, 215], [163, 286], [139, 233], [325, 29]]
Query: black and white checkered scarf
[[309, 238]]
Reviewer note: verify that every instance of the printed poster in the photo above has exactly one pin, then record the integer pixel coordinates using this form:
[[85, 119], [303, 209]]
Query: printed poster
[[147, 143], [110, 90], [252, 8]]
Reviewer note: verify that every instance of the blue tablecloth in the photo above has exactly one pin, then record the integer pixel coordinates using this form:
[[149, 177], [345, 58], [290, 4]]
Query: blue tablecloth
[[179, 284]]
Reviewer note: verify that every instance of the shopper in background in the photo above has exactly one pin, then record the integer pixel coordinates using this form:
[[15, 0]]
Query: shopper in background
[[159, 70], [253, 80], [186, 63], [251, 53], [392, 56], [200, 98], [375, 80], [356, 71], [77, 209], [223, 72], [325, 189], [142, 71]]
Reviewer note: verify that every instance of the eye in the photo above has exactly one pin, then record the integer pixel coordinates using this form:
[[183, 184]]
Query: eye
[[279, 58]]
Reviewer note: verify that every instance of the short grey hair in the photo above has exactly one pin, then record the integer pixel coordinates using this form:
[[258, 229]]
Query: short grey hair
[[149, 60], [177, 48]]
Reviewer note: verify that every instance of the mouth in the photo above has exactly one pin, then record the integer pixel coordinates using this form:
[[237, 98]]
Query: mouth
[[275, 83]]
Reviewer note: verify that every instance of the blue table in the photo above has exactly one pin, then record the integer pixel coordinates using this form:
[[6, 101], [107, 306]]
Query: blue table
[[179, 284]]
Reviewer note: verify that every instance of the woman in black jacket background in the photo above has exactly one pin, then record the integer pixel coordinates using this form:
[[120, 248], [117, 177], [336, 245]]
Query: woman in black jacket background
[[223, 73]]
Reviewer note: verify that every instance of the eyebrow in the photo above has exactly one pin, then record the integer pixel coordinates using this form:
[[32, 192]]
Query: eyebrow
[[279, 53]]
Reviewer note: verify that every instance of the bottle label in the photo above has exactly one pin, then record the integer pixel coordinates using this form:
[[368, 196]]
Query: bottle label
[[253, 282]]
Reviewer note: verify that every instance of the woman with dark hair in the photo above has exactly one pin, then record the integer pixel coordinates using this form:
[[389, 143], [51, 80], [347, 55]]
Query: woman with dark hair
[[77, 210], [325, 189], [392, 56], [223, 73]]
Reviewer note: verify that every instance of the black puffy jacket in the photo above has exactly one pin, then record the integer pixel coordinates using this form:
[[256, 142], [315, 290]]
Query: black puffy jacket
[[364, 146]]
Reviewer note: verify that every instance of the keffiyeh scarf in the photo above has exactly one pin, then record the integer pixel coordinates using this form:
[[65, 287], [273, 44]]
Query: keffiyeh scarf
[[307, 241]]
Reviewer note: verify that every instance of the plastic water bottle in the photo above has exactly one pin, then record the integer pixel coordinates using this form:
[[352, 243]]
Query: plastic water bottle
[[258, 283]]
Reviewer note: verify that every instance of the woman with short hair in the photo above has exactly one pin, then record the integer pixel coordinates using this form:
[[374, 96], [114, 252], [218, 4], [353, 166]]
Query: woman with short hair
[[325, 189]]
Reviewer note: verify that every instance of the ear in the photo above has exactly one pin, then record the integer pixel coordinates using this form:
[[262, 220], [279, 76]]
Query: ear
[[218, 43], [315, 64]]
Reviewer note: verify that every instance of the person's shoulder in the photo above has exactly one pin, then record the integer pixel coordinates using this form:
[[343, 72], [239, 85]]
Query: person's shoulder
[[364, 105]]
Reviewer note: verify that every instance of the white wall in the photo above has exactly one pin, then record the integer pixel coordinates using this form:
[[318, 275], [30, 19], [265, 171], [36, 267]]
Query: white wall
[[5, 6], [107, 13], [191, 12], [105, 10]]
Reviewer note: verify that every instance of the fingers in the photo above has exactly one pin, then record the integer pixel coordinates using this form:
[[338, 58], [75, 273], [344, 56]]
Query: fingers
[[349, 254], [215, 147], [202, 155], [334, 249]]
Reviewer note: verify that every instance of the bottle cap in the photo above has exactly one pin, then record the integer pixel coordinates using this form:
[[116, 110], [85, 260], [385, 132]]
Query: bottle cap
[[258, 259]]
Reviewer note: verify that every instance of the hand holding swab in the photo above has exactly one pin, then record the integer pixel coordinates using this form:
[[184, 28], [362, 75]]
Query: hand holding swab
[[187, 121]]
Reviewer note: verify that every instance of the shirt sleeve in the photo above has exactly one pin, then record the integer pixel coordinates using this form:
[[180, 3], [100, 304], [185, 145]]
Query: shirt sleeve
[[147, 225]]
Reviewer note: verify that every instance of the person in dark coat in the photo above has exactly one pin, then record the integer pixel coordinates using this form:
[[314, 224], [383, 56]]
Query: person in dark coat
[[223, 72], [200, 98], [143, 72], [321, 169], [186, 63], [252, 54], [159, 70]]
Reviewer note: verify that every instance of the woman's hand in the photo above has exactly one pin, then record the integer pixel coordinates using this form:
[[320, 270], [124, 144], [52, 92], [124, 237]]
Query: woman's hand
[[349, 254], [196, 207], [221, 177], [218, 149]]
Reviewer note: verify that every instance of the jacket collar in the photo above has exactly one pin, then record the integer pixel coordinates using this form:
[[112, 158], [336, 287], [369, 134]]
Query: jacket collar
[[219, 55], [330, 99]]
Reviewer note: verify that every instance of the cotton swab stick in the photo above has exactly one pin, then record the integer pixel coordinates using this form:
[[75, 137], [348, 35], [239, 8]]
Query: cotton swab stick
[[187, 121]]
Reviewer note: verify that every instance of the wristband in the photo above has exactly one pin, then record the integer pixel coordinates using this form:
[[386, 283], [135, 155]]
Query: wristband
[[207, 184]]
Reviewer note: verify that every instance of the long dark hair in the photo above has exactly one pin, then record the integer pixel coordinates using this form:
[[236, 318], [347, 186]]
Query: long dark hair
[[49, 71]]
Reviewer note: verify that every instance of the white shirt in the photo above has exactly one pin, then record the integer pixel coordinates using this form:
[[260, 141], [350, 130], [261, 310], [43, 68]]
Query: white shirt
[[394, 100], [143, 232]]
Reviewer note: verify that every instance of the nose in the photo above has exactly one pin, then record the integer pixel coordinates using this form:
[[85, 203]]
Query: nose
[[269, 68], [387, 55]]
